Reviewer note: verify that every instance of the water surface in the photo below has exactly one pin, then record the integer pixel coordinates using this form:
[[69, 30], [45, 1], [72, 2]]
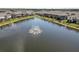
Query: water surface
[[52, 38]]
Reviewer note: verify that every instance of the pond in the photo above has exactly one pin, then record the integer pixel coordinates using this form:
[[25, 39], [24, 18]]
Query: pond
[[37, 35]]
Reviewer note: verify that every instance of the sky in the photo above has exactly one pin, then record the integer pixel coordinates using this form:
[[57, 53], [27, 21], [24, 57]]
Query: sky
[[39, 4]]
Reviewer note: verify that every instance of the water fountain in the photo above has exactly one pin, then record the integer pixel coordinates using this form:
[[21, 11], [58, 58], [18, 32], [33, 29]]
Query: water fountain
[[35, 30]]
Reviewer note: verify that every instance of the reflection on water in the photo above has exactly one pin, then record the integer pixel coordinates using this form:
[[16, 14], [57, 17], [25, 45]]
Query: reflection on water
[[19, 44], [8, 26], [38, 35]]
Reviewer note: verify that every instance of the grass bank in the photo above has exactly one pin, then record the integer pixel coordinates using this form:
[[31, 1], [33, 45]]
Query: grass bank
[[63, 23], [10, 21]]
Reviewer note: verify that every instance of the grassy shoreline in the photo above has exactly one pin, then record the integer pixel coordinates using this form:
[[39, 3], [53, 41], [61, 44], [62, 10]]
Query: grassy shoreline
[[10, 21], [63, 23]]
